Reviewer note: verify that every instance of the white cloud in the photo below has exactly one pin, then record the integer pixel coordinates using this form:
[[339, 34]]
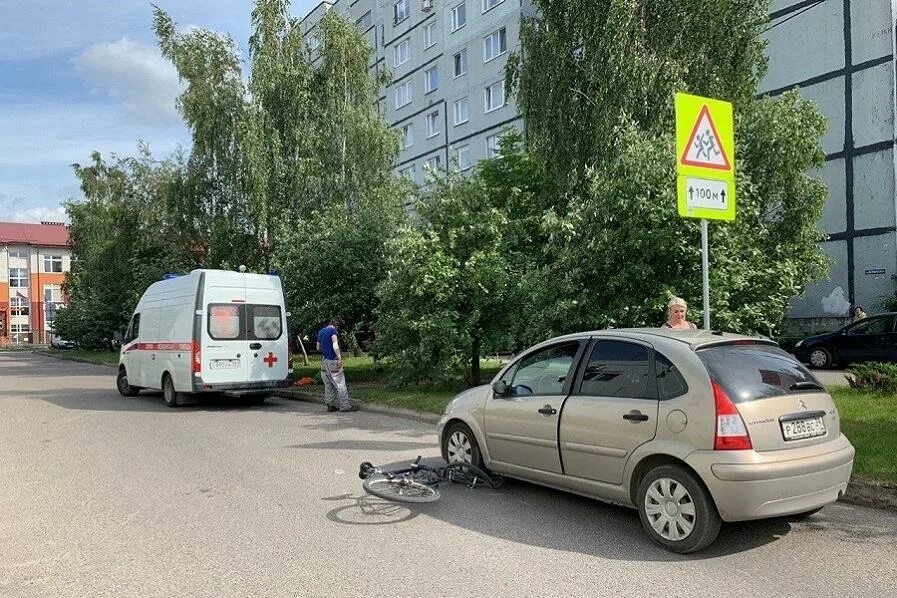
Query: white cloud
[[38, 214], [135, 73]]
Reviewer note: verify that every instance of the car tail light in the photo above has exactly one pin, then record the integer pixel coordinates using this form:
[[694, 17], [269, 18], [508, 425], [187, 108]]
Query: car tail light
[[731, 433], [196, 359]]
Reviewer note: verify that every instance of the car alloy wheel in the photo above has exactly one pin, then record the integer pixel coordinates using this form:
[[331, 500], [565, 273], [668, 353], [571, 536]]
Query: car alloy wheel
[[820, 358], [460, 446], [676, 510], [670, 509]]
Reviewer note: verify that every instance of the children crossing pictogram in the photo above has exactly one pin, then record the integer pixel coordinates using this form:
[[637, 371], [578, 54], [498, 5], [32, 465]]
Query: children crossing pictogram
[[705, 148]]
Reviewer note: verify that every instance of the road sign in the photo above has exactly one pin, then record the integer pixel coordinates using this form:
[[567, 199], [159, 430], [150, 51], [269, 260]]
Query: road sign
[[710, 198], [705, 157]]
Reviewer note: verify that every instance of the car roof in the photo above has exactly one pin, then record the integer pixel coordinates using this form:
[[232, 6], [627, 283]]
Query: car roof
[[695, 339]]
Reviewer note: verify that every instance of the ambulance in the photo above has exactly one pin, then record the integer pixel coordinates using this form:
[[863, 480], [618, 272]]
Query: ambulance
[[210, 331]]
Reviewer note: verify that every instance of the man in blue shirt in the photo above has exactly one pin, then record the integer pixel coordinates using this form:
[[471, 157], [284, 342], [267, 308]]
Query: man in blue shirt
[[332, 368]]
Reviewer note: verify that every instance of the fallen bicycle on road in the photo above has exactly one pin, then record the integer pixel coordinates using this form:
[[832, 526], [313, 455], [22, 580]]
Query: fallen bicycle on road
[[418, 483]]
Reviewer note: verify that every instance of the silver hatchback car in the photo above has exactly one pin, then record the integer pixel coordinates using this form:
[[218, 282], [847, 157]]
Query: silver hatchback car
[[690, 427]]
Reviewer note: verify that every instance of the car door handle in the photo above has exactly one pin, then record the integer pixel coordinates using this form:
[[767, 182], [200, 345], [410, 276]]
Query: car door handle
[[255, 346], [636, 416], [548, 410]]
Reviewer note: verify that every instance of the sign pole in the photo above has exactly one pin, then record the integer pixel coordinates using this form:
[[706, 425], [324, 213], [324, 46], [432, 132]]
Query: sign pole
[[705, 266]]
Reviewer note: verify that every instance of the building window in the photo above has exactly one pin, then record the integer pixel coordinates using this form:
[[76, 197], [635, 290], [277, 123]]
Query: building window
[[460, 63], [20, 333], [18, 277], [495, 44], [433, 124], [364, 21], [431, 79], [407, 136], [495, 96], [401, 53], [18, 306], [459, 16], [52, 302], [490, 4], [430, 34], [400, 11], [408, 172], [492, 149], [52, 263], [461, 111], [462, 157], [434, 163], [403, 94], [20, 255]]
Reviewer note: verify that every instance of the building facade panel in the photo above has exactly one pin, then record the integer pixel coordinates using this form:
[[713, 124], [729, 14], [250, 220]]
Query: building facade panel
[[832, 220], [829, 97], [873, 190]]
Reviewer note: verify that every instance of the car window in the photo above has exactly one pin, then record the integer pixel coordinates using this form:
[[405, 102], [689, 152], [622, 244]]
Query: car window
[[748, 372], [226, 321], [544, 372], [618, 369], [670, 383], [264, 322], [133, 331], [872, 326]]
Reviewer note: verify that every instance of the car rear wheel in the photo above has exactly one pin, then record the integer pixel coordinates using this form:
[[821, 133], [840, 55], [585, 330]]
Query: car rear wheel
[[124, 387], [820, 358], [676, 511], [168, 392], [460, 446]]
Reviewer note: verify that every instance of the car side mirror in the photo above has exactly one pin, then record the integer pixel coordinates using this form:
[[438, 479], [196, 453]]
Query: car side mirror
[[500, 388]]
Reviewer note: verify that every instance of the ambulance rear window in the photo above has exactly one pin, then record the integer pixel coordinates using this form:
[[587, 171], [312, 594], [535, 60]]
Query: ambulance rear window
[[264, 322], [225, 322]]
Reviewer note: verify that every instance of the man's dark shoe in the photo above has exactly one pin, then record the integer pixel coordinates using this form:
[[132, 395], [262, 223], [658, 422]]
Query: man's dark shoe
[[331, 408], [348, 409]]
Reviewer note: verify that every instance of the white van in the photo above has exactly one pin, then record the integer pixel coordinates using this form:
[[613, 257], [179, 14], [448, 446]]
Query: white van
[[208, 331]]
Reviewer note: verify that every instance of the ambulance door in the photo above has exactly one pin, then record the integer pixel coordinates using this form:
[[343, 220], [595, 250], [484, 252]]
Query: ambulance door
[[224, 354], [266, 332]]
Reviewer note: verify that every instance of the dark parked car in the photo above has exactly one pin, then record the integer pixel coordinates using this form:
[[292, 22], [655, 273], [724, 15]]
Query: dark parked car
[[871, 339]]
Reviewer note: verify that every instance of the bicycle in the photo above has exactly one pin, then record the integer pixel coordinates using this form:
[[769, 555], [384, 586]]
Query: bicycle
[[418, 483]]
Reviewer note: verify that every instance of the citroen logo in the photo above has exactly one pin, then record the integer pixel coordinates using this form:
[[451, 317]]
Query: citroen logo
[[802, 405]]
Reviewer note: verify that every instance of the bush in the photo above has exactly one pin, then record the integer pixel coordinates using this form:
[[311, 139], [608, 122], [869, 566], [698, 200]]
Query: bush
[[873, 376]]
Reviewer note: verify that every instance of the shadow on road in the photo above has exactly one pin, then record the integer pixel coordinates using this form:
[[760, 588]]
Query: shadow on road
[[364, 445], [534, 515], [368, 510]]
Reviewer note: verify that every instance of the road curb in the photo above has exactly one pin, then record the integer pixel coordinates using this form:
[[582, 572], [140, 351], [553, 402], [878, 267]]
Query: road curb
[[77, 359], [314, 397], [866, 493]]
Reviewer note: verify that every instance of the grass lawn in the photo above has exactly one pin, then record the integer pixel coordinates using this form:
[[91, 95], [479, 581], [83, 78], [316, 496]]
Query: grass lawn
[[99, 357], [869, 420], [362, 369]]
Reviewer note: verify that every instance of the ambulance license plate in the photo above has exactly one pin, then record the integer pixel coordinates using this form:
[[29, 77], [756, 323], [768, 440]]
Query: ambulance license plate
[[224, 364]]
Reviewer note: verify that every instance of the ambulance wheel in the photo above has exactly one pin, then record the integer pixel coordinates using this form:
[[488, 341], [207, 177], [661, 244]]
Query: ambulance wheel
[[124, 387], [168, 392]]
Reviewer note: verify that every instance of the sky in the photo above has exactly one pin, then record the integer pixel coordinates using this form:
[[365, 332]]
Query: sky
[[87, 75]]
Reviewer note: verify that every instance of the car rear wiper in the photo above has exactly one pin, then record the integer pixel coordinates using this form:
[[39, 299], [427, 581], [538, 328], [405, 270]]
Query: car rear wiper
[[806, 386]]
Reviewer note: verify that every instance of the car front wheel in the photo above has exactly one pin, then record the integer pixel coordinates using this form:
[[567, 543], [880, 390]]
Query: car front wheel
[[676, 511], [124, 387], [820, 358], [460, 446], [168, 392]]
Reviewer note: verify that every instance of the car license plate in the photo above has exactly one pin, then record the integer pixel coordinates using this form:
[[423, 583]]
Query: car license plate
[[797, 429], [224, 364]]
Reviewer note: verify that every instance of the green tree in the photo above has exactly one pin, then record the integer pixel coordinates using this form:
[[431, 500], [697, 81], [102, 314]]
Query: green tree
[[595, 82], [448, 283], [122, 241]]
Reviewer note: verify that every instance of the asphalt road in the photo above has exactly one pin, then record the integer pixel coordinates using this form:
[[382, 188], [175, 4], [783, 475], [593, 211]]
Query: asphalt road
[[106, 496]]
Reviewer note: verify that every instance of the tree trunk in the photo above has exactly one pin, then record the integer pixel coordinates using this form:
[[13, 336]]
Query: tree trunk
[[475, 360]]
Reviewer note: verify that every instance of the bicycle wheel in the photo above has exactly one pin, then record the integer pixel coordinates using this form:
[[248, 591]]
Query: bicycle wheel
[[470, 475], [400, 489]]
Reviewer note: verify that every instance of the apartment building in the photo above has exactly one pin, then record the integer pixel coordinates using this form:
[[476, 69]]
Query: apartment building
[[447, 60], [33, 261], [841, 55]]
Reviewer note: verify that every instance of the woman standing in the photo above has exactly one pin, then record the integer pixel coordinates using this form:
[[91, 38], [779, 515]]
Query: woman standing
[[677, 310]]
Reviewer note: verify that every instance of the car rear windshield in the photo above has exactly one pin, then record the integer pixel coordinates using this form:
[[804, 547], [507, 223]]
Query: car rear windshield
[[238, 321], [748, 372]]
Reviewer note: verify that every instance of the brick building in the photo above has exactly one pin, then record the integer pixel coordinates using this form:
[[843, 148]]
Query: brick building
[[33, 261]]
